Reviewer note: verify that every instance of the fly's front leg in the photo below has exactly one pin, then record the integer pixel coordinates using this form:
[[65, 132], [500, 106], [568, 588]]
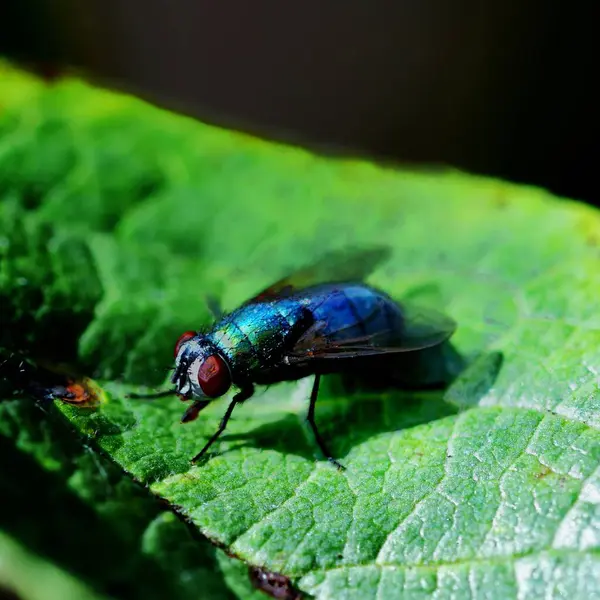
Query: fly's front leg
[[311, 420], [192, 412], [245, 393]]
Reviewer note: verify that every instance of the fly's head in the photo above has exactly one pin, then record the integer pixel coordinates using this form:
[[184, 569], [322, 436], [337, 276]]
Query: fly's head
[[200, 372]]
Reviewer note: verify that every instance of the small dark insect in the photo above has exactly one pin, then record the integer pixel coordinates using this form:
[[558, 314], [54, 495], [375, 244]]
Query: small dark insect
[[273, 584], [321, 319], [43, 382]]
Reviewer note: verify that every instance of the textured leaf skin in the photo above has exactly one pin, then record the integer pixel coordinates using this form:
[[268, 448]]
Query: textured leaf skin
[[491, 492]]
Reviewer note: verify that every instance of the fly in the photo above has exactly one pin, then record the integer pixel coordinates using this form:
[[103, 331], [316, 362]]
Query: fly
[[322, 319]]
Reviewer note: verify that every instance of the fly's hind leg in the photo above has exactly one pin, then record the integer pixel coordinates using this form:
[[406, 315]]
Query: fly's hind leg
[[245, 393], [311, 420]]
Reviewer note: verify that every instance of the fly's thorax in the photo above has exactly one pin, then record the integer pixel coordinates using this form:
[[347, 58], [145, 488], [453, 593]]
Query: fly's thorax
[[256, 336], [200, 370]]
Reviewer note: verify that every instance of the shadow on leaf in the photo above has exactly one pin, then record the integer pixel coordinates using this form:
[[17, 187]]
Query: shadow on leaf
[[346, 422], [377, 399]]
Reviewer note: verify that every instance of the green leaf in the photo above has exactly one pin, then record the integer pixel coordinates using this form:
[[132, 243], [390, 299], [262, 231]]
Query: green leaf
[[77, 513], [119, 218]]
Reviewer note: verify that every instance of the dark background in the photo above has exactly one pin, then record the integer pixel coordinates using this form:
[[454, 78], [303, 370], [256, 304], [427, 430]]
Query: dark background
[[497, 88]]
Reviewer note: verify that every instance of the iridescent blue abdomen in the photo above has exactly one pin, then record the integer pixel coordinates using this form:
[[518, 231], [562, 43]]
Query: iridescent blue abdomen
[[353, 311], [255, 337]]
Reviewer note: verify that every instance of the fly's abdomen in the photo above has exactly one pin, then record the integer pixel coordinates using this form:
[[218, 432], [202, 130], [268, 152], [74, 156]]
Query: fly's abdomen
[[354, 311], [256, 336]]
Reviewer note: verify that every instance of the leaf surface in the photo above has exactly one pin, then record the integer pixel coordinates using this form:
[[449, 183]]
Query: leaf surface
[[119, 218]]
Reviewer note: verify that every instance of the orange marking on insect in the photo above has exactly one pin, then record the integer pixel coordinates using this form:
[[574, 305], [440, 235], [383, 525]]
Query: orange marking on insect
[[82, 392]]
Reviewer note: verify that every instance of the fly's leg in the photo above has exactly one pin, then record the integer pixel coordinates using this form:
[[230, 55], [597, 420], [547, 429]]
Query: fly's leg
[[243, 394], [311, 420], [191, 414]]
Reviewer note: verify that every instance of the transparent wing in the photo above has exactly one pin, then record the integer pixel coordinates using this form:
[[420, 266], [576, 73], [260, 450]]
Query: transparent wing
[[422, 328], [334, 267]]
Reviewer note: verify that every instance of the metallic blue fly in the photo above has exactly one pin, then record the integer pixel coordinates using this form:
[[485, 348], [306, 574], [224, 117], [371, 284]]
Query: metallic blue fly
[[320, 320]]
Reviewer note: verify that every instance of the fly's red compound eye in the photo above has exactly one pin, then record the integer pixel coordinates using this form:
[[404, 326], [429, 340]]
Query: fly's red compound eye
[[213, 376], [184, 337]]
